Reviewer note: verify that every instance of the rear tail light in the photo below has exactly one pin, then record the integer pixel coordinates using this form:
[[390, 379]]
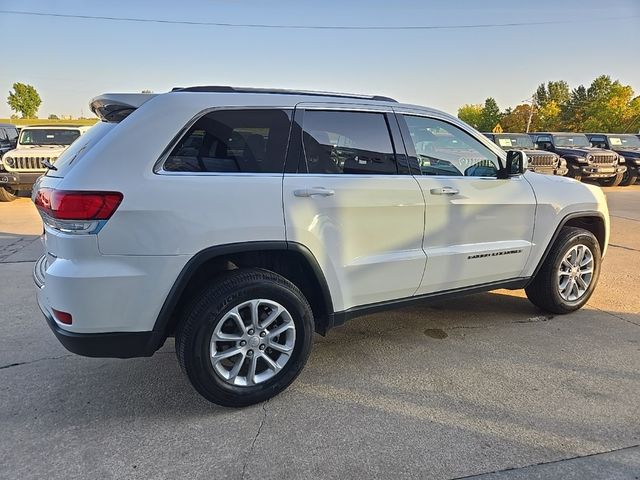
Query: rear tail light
[[62, 317], [76, 211]]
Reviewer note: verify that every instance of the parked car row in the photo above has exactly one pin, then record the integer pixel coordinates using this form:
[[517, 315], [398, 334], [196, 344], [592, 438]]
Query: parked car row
[[611, 159], [27, 155]]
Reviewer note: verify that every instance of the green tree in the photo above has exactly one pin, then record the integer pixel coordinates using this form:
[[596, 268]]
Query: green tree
[[491, 115], [53, 117], [515, 120], [610, 107], [471, 114], [24, 99]]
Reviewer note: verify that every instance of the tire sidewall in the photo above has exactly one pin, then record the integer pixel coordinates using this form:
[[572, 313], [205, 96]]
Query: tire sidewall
[[581, 238], [200, 368]]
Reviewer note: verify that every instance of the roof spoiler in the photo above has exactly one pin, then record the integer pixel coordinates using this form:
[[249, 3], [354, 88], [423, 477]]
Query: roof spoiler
[[115, 107]]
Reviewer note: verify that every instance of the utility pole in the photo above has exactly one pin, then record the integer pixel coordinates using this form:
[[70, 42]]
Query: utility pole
[[532, 105]]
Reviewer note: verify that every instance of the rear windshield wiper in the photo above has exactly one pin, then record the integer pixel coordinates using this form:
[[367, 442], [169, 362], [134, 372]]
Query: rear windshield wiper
[[49, 165]]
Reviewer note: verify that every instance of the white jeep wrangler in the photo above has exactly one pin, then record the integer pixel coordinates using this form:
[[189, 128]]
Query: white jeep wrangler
[[240, 221], [37, 146]]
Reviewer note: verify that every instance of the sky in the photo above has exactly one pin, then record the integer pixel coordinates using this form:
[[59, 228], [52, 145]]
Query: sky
[[71, 60]]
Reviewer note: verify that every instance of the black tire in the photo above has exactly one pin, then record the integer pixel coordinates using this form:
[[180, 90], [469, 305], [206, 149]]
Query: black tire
[[544, 291], [611, 182], [6, 195], [202, 315], [629, 177], [574, 172]]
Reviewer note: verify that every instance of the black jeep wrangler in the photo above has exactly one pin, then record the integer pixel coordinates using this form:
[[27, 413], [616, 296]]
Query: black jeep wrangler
[[540, 161], [627, 146], [583, 160]]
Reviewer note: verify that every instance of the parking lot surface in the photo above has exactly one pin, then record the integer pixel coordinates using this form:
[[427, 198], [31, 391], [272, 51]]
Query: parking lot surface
[[484, 387]]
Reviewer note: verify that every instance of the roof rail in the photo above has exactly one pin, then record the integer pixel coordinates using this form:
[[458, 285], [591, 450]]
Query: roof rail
[[227, 89]]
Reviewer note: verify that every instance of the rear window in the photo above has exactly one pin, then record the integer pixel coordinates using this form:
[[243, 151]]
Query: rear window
[[234, 141], [70, 156]]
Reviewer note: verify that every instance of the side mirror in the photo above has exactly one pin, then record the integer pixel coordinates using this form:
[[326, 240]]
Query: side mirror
[[517, 163]]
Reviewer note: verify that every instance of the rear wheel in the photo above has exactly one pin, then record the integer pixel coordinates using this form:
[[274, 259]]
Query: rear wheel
[[629, 177], [7, 194], [245, 338], [611, 182], [569, 274]]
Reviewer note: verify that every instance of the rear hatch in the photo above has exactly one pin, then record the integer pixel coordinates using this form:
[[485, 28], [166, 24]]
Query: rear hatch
[[72, 217], [111, 108]]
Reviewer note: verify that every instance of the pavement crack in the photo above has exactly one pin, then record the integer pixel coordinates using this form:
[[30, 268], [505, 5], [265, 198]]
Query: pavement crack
[[551, 462], [626, 218], [18, 364], [616, 316], [623, 247], [255, 439]]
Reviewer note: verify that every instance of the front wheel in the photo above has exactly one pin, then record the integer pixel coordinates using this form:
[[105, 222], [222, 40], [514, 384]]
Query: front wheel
[[569, 274], [245, 338], [7, 195], [629, 177]]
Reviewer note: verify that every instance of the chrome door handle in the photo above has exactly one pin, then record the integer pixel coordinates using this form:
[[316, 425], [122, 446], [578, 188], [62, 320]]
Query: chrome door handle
[[310, 192], [444, 191]]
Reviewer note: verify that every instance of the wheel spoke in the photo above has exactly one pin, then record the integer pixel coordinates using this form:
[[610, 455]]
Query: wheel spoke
[[251, 374], [281, 329], [255, 314], [233, 373], [566, 264], [581, 283], [272, 365], [275, 313], [279, 347], [216, 357]]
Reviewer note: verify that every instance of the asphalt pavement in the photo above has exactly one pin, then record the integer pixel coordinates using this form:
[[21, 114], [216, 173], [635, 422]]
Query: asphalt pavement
[[485, 387]]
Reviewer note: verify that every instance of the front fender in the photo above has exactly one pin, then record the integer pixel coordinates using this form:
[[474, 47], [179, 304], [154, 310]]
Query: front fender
[[560, 200]]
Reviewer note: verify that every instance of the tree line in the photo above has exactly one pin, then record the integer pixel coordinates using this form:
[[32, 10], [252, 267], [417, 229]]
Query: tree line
[[605, 106]]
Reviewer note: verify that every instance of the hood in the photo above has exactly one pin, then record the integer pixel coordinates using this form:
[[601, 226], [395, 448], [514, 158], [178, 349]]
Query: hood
[[582, 151], [37, 151], [628, 152]]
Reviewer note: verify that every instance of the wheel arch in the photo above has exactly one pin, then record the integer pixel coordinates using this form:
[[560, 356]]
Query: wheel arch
[[289, 259], [591, 221]]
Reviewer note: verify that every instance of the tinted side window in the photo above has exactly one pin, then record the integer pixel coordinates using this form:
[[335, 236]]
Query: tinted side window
[[246, 141], [444, 149], [347, 142]]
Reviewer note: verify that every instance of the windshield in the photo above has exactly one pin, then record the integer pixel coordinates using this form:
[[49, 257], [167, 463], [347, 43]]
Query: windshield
[[622, 141], [576, 140], [514, 141], [48, 136]]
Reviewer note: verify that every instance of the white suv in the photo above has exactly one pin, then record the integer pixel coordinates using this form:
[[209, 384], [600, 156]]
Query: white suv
[[240, 221]]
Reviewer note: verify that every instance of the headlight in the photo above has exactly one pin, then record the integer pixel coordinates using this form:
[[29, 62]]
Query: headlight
[[9, 161], [621, 159]]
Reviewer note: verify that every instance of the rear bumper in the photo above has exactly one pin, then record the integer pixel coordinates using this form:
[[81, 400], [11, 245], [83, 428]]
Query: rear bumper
[[98, 329], [18, 180], [105, 345]]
